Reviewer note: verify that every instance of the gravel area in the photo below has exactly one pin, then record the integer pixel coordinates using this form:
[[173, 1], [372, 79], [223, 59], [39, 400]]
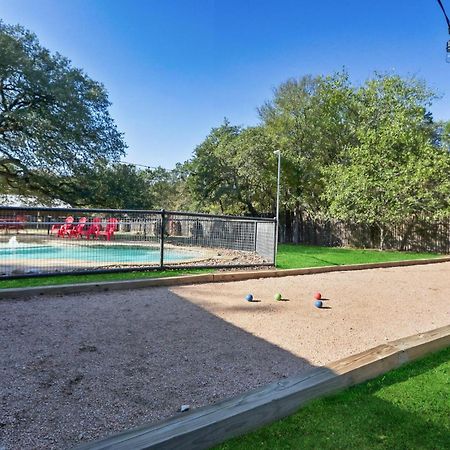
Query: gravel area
[[78, 367]]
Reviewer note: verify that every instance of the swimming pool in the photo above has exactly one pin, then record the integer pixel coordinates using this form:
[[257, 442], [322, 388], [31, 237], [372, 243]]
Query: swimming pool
[[108, 254]]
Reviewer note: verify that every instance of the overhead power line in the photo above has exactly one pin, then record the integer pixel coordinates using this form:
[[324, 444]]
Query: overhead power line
[[445, 15], [448, 26], [138, 165]]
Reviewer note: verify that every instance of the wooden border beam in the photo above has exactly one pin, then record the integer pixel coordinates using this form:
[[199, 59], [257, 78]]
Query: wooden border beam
[[27, 292]]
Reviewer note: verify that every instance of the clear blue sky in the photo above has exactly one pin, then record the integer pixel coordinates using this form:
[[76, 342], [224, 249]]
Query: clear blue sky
[[176, 68]]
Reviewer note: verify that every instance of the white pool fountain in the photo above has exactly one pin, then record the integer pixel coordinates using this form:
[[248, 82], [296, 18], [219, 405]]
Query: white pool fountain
[[13, 242]]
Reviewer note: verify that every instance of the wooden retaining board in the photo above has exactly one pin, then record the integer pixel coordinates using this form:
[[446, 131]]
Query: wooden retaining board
[[211, 425], [27, 292]]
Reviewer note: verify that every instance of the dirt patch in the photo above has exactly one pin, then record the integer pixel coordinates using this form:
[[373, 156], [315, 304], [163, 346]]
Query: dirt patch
[[79, 367]]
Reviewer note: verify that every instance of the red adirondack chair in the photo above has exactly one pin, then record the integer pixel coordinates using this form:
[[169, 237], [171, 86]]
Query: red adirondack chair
[[93, 229], [110, 228], [61, 230], [76, 230]]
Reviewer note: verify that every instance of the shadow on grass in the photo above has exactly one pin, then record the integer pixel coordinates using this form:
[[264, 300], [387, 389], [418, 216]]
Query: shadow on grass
[[368, 423], [320, 263], [407, 372], [359, 418]]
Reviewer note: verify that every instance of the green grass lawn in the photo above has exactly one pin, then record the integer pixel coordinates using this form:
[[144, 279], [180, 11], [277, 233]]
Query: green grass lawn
[[290, 256], [91, 278], [408, 408]]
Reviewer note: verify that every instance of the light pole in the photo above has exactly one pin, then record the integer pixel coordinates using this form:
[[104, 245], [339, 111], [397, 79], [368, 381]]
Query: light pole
[[277, 152]]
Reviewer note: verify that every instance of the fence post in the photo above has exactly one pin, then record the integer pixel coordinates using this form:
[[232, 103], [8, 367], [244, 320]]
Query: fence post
[[275, 242], [256, 236], [163, 224]]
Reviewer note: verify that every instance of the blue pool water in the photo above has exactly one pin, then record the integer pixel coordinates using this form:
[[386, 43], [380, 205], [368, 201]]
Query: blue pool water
[[94, 253]]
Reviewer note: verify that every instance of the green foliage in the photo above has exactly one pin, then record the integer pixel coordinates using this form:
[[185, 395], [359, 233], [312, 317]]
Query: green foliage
[[370, 154], [211, 174], [393, 173], [232, 171], [310, 119], [54, 119], [445, 134], [124, 186], [114, 186]]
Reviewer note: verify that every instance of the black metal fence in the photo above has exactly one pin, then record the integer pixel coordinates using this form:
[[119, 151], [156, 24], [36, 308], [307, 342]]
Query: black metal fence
[[35, 241]]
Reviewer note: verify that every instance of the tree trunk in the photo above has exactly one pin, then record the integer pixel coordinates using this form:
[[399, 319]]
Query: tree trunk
[[297, 224], [382, 237], [287, 226], [407, 234]]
